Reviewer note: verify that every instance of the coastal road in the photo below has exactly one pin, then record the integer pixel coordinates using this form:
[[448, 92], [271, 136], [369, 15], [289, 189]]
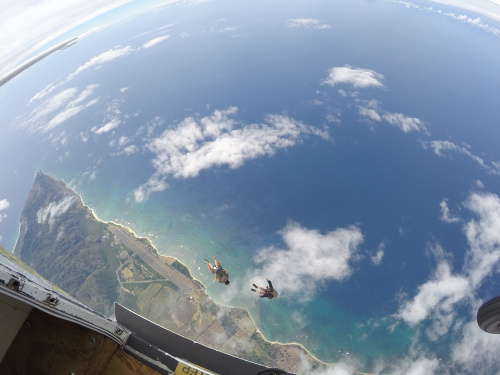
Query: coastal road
[[128, 239]]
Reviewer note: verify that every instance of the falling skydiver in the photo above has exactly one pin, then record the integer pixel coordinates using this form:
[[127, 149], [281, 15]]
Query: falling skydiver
[[268, 292], [220, 274]]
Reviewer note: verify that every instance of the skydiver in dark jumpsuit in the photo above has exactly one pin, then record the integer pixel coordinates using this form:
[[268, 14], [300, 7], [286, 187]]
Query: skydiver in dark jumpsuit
[[268, 292]]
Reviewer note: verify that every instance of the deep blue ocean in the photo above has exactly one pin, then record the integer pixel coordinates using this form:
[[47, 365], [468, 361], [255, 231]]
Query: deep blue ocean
[[372, 175]]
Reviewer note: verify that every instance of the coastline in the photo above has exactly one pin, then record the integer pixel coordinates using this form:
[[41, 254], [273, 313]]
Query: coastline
[[305, 356]]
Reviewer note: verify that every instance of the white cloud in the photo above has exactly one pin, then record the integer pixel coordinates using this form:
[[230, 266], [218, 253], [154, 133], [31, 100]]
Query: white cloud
[[370, 110], [477, 351], [377, 258], [153, 185], [487, 7], [83, 137], [123, 89], [96, 60], [213, 141], [42, 118], [129, 150], [440, 146], [47, 90], [406, 124], [122, 141], [66, 114], [101, 59], [445, 213], [149, 128], [309, 259], [306, 22], [109, 126], [152, 42], [480, 184], [4, 204], [437, 298], [357, 77], [54, 210], [475, 22], [483, 237]]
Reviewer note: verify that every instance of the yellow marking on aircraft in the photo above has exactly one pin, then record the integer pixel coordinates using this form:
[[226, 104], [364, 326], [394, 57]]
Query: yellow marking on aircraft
[[183, 369]]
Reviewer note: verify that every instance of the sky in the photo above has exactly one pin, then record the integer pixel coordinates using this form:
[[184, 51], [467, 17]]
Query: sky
[[29, 27]]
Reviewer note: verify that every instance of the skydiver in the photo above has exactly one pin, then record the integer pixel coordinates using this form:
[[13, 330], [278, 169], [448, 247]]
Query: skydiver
[[220, 274], [268, 292]]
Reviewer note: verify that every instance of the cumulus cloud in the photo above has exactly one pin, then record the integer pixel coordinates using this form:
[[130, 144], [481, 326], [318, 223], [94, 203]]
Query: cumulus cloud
[[56, 109], [357, 77], [377, 258], [406, 124], [483, 237], [440, 146], [476, 351], [155, 41], [129, 150], [445, 213], [4, 204], [213, 141], [309, 259], [370, 110], [306, 22], [54, 210], [123, 140], [438, 297], [154, 185]]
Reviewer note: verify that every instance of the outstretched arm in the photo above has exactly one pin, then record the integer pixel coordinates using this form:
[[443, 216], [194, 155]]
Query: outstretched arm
[[209, 265], [270, 285]]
